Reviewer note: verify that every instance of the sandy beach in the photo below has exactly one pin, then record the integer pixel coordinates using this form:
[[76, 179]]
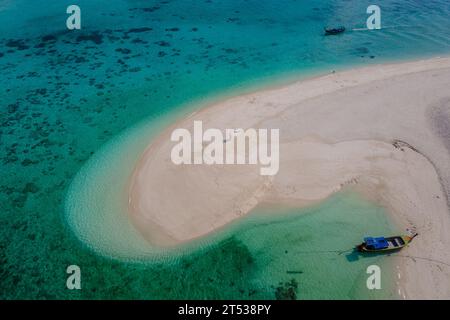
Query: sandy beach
[[382, 131]]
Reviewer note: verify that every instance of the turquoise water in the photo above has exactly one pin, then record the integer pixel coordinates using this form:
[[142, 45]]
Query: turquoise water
[[65, 94]]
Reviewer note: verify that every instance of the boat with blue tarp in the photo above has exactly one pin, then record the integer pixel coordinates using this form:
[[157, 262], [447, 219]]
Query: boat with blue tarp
[[385, 244]]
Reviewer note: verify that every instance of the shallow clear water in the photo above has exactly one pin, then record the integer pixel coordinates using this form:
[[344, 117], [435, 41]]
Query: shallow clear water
[[314, 247], [65, 94], [273, 253]]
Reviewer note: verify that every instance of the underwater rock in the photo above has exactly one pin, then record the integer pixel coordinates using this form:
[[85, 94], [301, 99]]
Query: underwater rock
[[362, 50], [28, 162], [19, 202], [137, 40], [163, 43], [94, 37], [151, 9], [139, 30], [230, 50], [123, 50], [12, 108], [135, 69], [287, 290], [30, 187], [41, 91], [80, 60], [18, 44], [48, 38]]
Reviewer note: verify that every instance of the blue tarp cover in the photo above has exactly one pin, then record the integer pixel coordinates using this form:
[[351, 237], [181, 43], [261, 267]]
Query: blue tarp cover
[[376, 243]]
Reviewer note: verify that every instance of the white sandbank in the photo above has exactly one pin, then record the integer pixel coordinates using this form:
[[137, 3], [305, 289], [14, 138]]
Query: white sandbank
[[336, 131]]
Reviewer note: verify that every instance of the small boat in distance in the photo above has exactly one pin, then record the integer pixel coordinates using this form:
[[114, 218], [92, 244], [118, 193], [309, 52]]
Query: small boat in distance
[[334, 31], [382, 244]]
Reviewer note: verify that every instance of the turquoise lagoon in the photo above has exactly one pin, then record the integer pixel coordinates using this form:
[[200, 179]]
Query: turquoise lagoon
[[71, 99]]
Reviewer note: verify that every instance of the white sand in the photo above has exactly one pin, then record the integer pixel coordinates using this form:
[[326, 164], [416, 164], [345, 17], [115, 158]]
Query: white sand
[[336, 131]]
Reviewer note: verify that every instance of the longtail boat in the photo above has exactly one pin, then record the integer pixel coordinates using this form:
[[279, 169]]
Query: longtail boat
[[384, 244], [334, 31]]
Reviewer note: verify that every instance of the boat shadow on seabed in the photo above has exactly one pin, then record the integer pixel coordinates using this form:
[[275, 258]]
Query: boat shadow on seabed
[[355, 255]]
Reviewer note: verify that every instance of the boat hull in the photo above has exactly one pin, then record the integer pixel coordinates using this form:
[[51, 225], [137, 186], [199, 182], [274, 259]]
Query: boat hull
[[395, 244], [334, 31]]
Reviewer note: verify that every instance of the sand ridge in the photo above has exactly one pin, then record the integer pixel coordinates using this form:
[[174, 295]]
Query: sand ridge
[[367, 129]]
